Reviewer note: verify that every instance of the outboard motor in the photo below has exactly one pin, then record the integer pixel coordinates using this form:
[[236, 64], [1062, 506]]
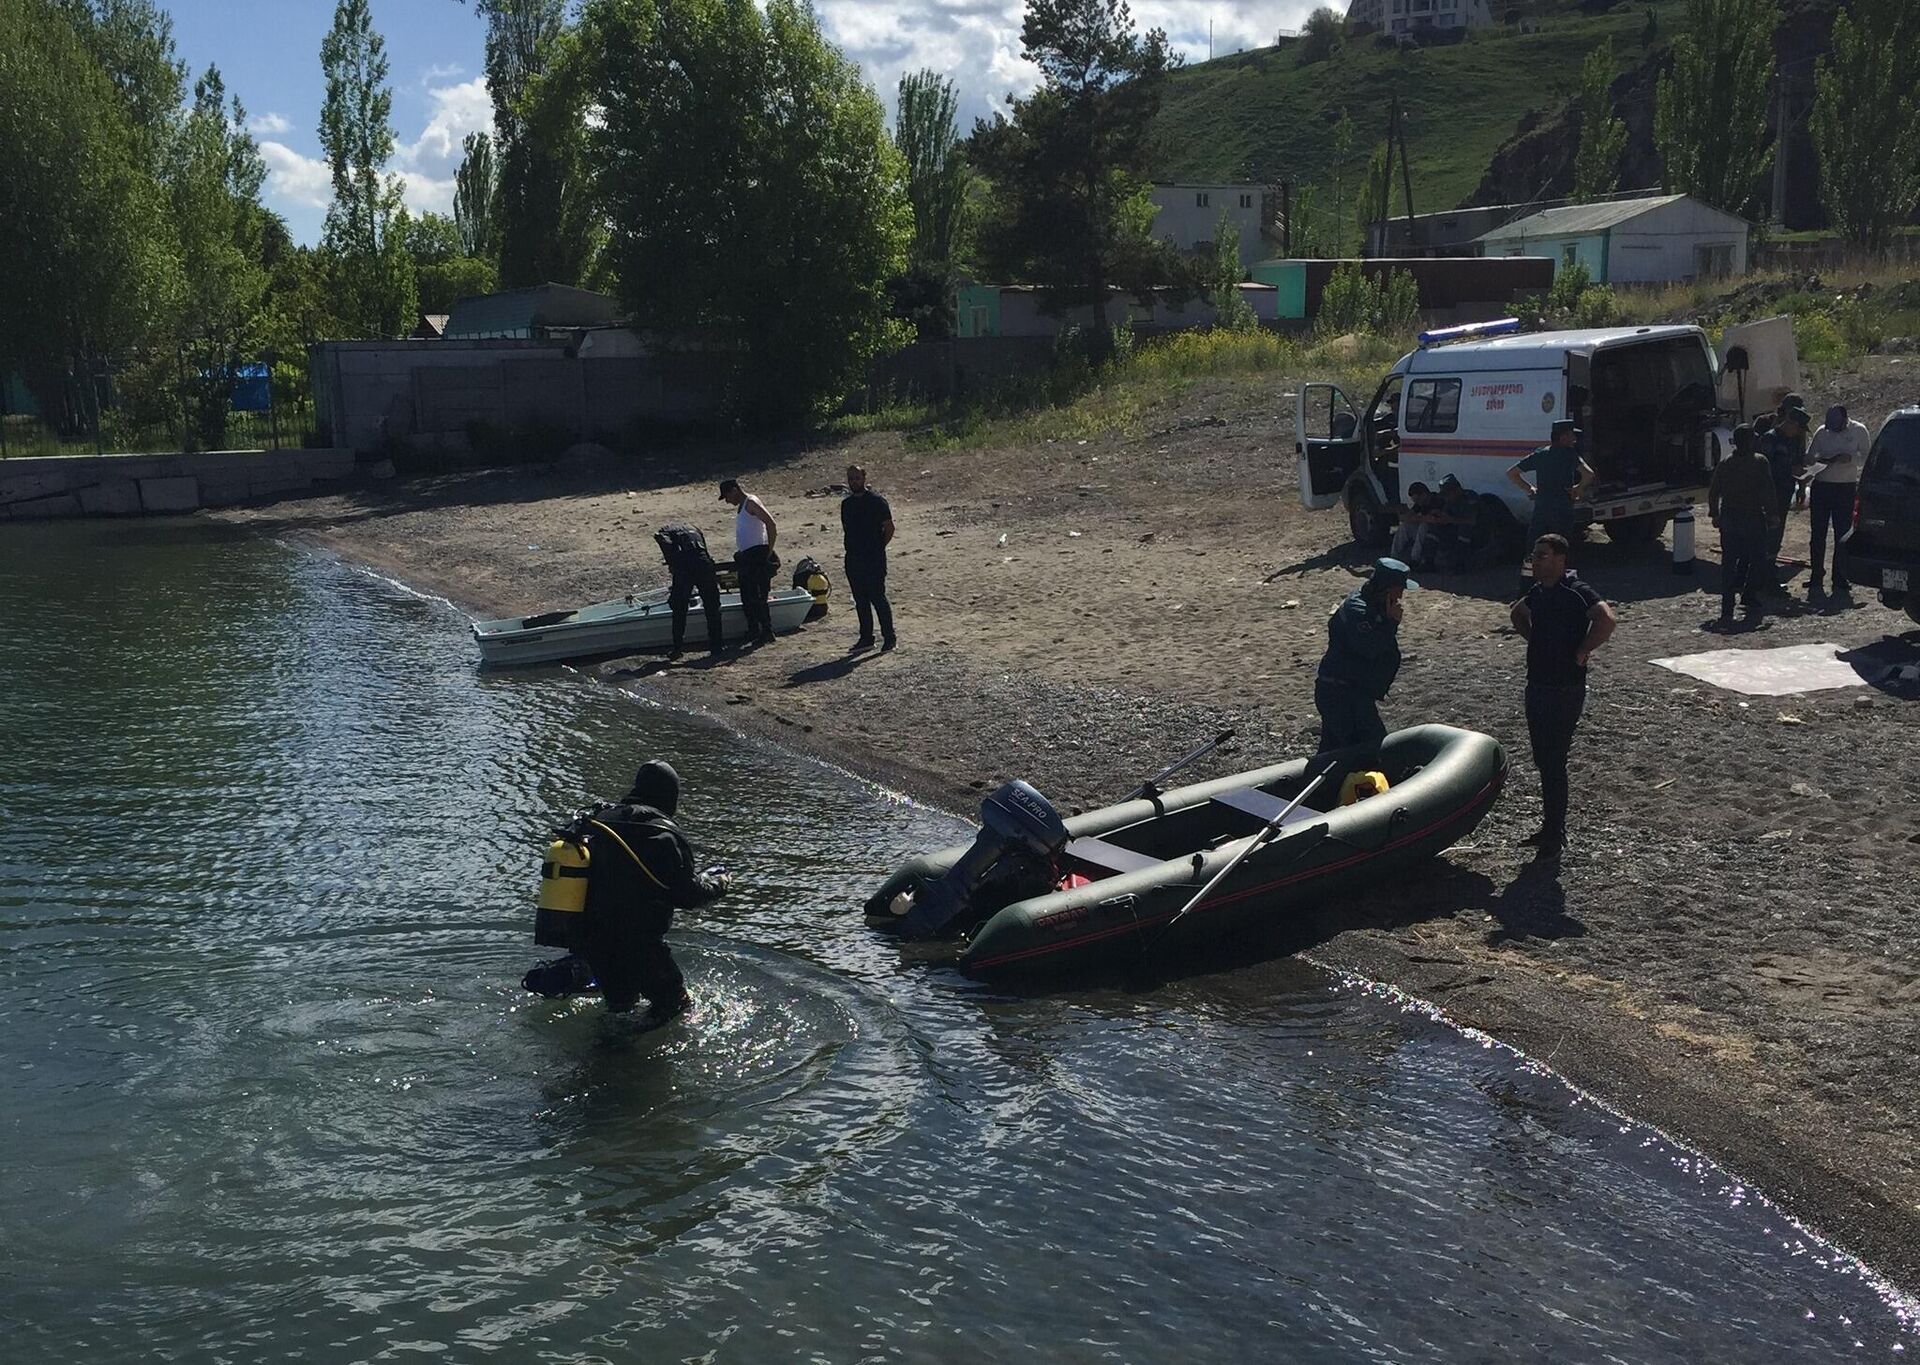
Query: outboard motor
[[1018, 824]]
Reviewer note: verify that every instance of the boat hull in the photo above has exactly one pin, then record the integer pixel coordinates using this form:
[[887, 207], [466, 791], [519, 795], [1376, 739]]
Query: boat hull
[[1444, 781], [624, 625]]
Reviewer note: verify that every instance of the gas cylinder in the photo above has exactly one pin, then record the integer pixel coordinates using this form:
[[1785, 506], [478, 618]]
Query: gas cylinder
[[563, 895], [1683, 541]]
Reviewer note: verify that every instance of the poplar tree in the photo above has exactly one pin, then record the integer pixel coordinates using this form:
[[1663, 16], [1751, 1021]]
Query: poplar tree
[[1866, 121], [938, 182], [1596, 167], [372, 273], [1710, 116], [473, 198]]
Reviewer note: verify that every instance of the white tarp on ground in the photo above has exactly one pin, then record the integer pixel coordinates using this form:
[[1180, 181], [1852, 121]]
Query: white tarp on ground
[[1770, 672]]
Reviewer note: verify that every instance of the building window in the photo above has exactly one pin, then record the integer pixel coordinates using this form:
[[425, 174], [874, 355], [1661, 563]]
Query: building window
[[1713, 261], [1199, 201], [1246, 201], [979, 326], [1570, 255], [1433, 405]]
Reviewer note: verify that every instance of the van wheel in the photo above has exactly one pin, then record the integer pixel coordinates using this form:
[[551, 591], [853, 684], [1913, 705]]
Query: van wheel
[[1641, 530], [1365, 517]]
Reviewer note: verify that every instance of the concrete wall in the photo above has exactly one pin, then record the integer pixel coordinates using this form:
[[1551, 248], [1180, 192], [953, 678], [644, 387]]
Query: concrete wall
[[1186, 223], [367, 392], [1665, 245], [154, 485]]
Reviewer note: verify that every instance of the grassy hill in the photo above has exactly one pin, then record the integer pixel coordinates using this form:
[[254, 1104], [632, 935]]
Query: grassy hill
[[1261, 116]]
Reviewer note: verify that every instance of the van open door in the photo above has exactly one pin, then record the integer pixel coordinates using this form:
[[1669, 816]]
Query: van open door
[[1326, 435]]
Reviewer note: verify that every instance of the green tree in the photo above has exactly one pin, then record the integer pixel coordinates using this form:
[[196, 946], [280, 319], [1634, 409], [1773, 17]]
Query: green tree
[[1710, 116], [939, 184], [91, 265], [542, 205], [473, 198], [1070, 167], [1866, 121], [214, 180], [754, 199], [132, 40], [1376, 189], [1596, 166], [1651, 33], [432, 238], [1319, 37], [373, 278], [1231, 311]]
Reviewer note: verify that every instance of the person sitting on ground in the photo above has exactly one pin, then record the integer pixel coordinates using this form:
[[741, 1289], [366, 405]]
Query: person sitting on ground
[[642, 870], [1413, 538], [1457, 537]]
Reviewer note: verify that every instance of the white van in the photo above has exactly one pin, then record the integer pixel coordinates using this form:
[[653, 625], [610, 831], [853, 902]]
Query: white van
[[1474, 400]]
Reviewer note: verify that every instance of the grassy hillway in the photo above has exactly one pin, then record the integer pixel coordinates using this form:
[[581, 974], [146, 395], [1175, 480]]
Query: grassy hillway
[[1261, 116]]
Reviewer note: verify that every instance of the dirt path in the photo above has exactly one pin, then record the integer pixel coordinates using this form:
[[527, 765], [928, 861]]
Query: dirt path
[[1727, 953]]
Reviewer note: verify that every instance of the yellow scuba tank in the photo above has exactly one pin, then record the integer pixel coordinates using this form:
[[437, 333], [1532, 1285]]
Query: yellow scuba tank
[[563, 894], [816, 583]]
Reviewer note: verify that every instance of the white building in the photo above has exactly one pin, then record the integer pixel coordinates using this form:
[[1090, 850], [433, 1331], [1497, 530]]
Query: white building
[[1189, 217], [1415, 16], [1631, 241]]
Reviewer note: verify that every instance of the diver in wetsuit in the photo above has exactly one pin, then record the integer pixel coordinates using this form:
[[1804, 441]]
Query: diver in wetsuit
[[641, 870]]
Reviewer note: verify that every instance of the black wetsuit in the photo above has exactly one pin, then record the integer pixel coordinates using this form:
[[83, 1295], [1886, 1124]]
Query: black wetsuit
[[685, 550], [642, 869]]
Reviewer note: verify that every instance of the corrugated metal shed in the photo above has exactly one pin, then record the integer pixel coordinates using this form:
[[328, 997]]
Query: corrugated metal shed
[[1576, 219], [529, 312]]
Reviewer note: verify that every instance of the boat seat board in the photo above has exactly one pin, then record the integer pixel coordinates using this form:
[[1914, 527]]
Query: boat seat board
[[1264, 807], [1100, 853]]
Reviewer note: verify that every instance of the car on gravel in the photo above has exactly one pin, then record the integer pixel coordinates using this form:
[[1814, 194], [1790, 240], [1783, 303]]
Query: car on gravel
[[1883, 549]]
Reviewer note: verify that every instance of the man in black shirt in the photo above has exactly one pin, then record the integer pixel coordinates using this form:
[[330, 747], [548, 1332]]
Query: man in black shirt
[[866, 521], [1563, 621], [688, 560]]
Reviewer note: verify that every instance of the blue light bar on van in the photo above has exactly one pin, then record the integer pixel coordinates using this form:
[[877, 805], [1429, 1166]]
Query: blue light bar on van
[[1439, 336]]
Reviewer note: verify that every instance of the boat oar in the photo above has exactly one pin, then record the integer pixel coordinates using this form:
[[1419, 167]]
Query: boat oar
[[1267, 831], [1152, 784]]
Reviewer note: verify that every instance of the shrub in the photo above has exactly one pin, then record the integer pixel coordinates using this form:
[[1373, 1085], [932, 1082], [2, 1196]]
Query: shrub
[[1319, 37]]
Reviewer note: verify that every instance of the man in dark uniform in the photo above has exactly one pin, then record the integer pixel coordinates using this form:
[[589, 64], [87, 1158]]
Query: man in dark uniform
[[866, 524], [1785, 446], [1744, 503], [642, 869], [1362, 658], [692, 567], [1560, 477], [1563, 621]]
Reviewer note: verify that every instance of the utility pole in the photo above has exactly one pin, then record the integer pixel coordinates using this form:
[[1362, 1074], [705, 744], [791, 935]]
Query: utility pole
[[1780, 122], [1406, 173]]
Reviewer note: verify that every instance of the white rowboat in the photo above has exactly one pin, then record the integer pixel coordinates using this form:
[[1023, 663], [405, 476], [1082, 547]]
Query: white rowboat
[[634, 624]]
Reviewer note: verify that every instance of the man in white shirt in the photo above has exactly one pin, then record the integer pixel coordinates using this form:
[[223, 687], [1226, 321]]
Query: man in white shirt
[[753, 537], [1836, 453]]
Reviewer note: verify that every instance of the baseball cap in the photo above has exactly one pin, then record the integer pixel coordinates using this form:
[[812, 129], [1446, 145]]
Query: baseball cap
[[1564, 426]]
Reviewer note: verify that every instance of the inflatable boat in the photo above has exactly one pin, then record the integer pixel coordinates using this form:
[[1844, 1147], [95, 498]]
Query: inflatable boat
[[1035, 894]]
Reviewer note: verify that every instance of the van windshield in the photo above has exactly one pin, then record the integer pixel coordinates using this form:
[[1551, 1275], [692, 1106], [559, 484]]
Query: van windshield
[[1648, 409]]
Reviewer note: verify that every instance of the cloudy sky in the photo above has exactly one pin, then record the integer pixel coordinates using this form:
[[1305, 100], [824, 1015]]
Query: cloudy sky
[[270, 56]]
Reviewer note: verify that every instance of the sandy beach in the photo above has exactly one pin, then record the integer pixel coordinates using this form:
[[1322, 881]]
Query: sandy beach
[[1727, 951]]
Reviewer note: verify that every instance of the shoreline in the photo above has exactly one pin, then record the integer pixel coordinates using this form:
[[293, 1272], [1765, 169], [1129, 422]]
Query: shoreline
[[1017, 660]]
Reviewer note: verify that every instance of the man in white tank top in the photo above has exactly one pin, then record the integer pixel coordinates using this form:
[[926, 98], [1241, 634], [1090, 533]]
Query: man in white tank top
[[754, 533]]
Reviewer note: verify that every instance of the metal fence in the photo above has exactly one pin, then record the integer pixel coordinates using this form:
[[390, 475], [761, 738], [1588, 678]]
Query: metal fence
[[86, 413]]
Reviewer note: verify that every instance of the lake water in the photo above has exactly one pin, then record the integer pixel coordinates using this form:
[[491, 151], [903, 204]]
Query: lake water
[[268, 850]]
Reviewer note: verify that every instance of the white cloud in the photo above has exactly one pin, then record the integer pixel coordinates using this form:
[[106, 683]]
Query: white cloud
[[294, 179], [269, 124], [976, 43], [435, 74], [426, 165]]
